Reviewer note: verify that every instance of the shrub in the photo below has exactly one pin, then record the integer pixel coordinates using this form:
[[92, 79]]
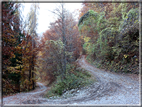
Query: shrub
[[75, 78]]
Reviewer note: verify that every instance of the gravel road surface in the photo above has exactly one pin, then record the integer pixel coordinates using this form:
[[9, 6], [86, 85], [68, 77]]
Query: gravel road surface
[[110, 88]]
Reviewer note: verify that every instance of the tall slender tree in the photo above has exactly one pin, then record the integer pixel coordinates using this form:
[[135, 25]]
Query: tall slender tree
[[61, 14], [61, 44], [11, 40], [31, 30]]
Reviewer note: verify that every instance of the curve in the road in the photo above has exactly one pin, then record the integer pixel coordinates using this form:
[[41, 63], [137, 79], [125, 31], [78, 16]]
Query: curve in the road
[[21, 97], [111, 88]]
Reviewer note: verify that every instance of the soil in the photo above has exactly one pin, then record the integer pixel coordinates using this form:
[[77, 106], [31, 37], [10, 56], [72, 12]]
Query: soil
[[110, 88]]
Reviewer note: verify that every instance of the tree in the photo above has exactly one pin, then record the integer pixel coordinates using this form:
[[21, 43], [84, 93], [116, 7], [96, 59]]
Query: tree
[[31, 30], [19, 49], [61, 13], [57, 52], [11, 39], [110, 41]]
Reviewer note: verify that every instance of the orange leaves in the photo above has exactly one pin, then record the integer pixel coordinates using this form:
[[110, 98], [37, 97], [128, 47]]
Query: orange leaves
[[8, 34], [19, 49]]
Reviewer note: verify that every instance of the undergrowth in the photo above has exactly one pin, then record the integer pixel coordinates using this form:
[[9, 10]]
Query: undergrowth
[[119, 67], [75, 79]]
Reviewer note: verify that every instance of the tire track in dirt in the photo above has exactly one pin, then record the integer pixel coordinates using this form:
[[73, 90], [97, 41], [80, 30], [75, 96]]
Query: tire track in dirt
[[110, 88], [126, 87]]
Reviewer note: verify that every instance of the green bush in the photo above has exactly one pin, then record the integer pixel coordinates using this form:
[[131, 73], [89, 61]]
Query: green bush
[[116, 48], [75, 79]]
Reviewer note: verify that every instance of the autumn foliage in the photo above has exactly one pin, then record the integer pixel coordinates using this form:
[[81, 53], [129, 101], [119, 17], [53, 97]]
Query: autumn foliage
[[51, 59], [110, 35], [19, 52], [107, 33]]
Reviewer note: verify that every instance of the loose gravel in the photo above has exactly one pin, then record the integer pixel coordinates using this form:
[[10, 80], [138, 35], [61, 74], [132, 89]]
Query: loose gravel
[[110, 88]]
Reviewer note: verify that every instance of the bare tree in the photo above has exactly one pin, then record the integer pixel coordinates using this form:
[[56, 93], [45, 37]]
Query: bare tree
[[62, 36], [61, 13]]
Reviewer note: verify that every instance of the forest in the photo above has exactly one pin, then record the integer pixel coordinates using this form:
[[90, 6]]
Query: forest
[[106, 33]]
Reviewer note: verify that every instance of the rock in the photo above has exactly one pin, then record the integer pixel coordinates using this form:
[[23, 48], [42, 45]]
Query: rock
[[130, 87]]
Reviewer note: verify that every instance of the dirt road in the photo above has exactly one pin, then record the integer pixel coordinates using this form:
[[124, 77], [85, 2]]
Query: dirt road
[[25, 96], [127, 86], [110, 88]]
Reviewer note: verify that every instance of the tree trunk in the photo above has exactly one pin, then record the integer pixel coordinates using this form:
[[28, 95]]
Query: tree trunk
[[33, 83], [29, 72], [64, 42]]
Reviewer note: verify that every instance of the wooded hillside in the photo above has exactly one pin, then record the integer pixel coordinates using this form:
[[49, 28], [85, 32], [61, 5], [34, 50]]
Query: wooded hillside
[[107, 33], [110, 33]]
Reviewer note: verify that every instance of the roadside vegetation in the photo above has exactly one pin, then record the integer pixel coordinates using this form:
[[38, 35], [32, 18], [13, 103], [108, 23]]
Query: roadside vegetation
[[61, 46], [110, 33], [76, 78], [107, 33]]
